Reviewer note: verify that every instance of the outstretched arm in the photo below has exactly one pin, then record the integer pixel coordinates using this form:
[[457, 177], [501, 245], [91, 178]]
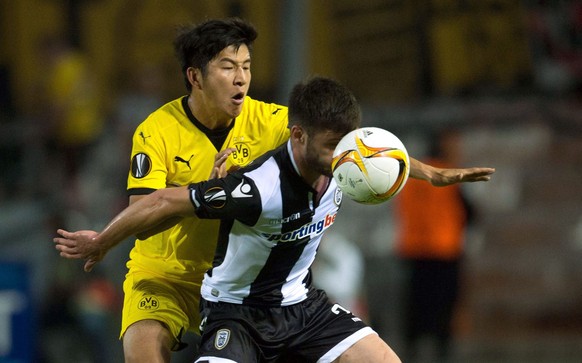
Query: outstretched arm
[[148, 212], [160, 210], [442, 177], [218, 171]]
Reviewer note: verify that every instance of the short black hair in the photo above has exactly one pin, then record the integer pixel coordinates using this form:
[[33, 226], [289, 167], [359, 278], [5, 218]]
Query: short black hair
[[197, 45], [321, 103]]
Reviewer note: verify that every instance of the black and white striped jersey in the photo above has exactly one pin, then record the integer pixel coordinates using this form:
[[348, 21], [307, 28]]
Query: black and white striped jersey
[[272, 224]]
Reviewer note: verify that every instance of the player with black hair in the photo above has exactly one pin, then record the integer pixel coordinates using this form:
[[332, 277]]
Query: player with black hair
[[216, 127]]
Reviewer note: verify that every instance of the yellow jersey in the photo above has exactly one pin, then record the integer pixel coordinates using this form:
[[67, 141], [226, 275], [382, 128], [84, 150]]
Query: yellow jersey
[[171, 148]]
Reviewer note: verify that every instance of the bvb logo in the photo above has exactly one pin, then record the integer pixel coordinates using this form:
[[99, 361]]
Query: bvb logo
[[149, 303], [242, 155]]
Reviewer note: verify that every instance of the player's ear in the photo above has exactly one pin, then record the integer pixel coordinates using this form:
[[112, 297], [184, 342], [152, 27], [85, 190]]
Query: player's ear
[[298, 134], [194, 77]]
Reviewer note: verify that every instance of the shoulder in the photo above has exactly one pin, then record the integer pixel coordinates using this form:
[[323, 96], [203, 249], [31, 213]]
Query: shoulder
[[164, 118], [265, 171], [263, 110], [264, 164]]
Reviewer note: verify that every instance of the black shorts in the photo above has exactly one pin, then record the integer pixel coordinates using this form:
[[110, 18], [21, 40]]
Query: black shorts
[[311, 331]]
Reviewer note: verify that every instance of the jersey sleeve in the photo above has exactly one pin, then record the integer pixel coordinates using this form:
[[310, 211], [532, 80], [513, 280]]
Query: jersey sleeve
[[235, 196], [148, 159]]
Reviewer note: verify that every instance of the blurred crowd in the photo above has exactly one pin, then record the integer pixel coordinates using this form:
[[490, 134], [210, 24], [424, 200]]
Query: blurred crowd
[[65, 165]]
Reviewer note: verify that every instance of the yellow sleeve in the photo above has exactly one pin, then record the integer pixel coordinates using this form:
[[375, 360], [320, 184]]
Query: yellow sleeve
[[148, 159]]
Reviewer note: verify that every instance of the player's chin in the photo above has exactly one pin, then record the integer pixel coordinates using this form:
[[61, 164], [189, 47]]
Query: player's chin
[[235, 110]]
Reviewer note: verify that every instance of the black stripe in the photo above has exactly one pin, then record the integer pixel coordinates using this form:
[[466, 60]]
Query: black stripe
[[140, 191], [222, 244], [295, 194], [266, 289]]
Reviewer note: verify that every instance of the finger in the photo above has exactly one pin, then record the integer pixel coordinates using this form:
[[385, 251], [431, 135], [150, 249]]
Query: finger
[[63, 233], [477, 174], [220, 161], [219, 168], [222, 155], [479, 177], [68, 255], [89, 265], [64, 248], [482, 171], [214, 173], [484, 178], [64, 242], [71, 251]]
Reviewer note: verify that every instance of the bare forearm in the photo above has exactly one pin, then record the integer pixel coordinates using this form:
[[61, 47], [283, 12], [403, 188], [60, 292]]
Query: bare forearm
[[420, 170], [145, 215], [446, 176]]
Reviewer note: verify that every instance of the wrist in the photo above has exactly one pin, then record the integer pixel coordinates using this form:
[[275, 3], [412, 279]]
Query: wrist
[[421, 171]]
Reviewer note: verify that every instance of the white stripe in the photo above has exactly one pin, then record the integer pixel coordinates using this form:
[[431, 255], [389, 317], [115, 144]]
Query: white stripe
[[345, 344], [214, 360]]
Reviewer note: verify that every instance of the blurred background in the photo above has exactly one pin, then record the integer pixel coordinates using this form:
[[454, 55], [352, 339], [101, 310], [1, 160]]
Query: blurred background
[[77, 76]]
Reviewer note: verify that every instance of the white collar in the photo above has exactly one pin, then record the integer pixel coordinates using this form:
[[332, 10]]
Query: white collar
[[290, 151]]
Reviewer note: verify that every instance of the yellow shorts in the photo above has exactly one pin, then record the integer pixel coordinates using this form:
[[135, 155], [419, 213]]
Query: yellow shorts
[[172, 302]]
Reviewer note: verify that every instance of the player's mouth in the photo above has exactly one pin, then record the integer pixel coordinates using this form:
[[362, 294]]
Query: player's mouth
[[239, 98]]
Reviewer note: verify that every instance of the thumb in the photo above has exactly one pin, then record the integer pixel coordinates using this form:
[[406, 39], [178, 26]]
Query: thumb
[[89, 265]]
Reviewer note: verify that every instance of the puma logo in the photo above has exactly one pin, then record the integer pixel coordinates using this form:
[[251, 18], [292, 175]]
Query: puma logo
[[187, 162], [144, 137]]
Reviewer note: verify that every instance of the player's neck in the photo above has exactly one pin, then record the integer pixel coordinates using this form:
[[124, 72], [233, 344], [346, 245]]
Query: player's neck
[[205, 115], [320, 185]]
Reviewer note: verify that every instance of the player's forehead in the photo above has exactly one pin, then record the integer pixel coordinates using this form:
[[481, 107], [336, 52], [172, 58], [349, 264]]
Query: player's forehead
[[233, 54], [326, 135]]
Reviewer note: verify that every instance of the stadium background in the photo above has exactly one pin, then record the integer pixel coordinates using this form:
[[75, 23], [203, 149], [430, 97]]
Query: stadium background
[[508, 73]]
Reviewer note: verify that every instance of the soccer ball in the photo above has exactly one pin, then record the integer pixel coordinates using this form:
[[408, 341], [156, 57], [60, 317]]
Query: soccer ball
[[370, 165]]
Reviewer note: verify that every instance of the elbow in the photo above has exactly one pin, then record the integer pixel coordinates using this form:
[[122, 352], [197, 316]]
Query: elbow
[[159, 203], [167, 203]]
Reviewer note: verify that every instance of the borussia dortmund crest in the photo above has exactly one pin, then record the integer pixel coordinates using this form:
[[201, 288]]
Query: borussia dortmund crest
[[148, 303], [242, 154]]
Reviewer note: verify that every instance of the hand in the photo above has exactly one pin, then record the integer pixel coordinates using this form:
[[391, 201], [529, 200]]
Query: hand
[[444, 177], [80, 245], [219, 169]]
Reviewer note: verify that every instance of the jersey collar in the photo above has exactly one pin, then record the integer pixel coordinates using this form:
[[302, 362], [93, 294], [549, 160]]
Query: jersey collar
[[290, 152], [217, 137]]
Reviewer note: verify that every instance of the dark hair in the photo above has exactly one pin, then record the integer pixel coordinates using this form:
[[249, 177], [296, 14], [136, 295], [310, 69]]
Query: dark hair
[[324, 104], [197, 45]]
